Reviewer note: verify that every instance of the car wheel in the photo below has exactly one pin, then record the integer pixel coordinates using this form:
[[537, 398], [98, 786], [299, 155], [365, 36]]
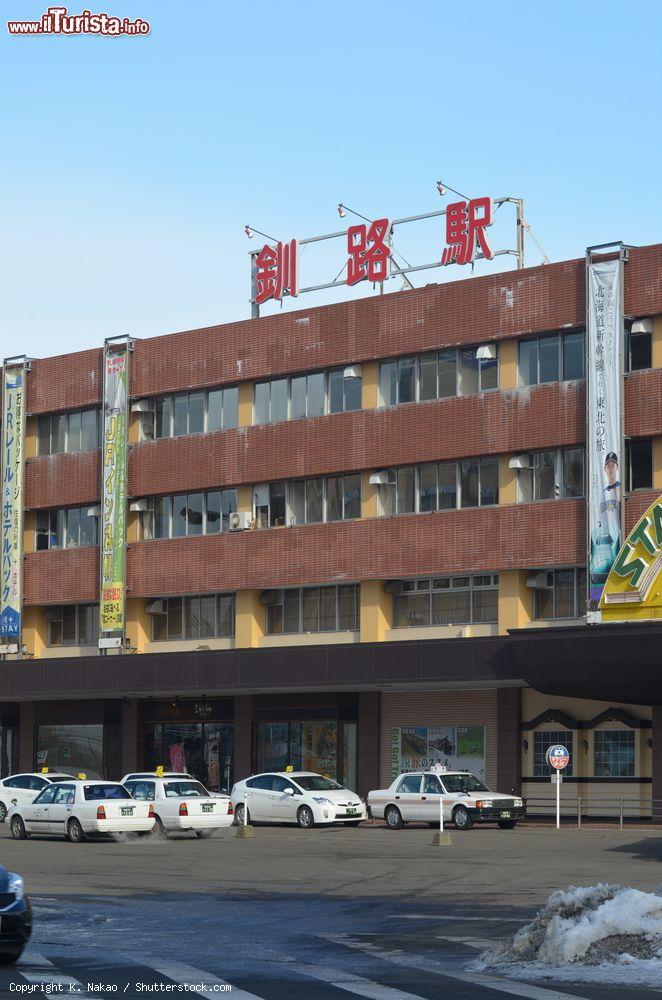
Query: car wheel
[[75, 831], [305, 818], [10, 957], [462, 819], [239, 815], [3, 812], [203, 834], [158, 830], [507, 824], [393, 818], [17, 827]]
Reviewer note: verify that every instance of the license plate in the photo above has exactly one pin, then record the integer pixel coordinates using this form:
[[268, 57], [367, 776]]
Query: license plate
[[505, 815], [351, 812], [207, 807], [127, 812]]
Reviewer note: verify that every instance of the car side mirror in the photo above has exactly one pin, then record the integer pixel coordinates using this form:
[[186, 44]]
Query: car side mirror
[[289, 791], [512, 791]]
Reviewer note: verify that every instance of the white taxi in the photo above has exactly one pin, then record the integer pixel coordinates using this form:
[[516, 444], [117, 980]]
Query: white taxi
[[77, 808], [300, 797], [19, 789], [182, 804], [414, 796]]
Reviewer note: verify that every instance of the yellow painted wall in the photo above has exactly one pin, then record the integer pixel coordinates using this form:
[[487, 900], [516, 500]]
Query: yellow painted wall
[[245, 405], [369, 506], [29, 531], [250, 618], [656, 342], [508, 364], [507, 481], [30, 437], [657, 462], [370, 385], [35, 630], [134, 428], [138, 624], [515, 600], [376, 611]]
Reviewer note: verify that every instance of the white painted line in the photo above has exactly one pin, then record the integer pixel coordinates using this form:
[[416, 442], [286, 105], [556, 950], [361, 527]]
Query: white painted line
[[354, 984], [460, 920], [410, 961], [37, 969], [471, 942], [181, 973]]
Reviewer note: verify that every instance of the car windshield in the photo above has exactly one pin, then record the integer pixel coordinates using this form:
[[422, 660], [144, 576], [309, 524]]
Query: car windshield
[[463, 783], [94, 792], [185, 789], [317, 783]]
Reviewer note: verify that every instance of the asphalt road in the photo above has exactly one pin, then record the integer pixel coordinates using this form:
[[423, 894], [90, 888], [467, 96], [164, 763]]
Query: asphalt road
[[299, 914]]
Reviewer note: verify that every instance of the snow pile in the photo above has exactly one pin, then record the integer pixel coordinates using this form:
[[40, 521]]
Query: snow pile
[[599, 929]]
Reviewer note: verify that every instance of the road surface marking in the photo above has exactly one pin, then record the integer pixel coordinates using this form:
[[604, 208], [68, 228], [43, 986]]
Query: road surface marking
[[39, 970], [354, 984], [471, 942], [461, 920], [181, 973]]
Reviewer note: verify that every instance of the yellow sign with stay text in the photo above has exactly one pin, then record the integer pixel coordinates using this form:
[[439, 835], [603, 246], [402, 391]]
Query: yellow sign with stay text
[[634, 586]]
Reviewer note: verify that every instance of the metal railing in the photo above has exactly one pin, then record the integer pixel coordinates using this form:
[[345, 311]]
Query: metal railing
[[618, 809]]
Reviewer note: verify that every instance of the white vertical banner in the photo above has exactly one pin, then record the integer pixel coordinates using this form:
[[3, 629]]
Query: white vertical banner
[[13, 438], [604, 372]]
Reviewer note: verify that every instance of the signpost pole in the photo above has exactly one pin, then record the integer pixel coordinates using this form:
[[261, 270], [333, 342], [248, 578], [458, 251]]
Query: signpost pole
[[558, 800]]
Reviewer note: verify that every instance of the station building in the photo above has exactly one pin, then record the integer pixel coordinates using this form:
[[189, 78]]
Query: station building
[[355, 542]]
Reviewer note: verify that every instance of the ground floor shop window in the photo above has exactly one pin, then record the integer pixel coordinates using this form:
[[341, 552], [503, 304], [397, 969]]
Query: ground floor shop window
[[542, 740], [91, 749], [203, 749], [614, 753], [325, 746], [459, 748], [8, 750]]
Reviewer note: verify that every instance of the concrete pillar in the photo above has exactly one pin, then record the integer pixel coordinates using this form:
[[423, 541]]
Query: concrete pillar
[[370, 385], [245, 405], [129, 738], [509, 726], [368, 742], [656, 770], [656, 342], [243, 736], [507, 480], [250, 619], [26, 723], [508, 364], [515, 600], [376, 611]]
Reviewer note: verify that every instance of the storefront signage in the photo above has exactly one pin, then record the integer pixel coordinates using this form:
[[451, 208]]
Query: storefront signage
[[631, 590], [113, 509], [13, 436], [458, 748], [604, 401], [558, 757]]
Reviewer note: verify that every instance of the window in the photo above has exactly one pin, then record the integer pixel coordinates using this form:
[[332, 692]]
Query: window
[[314, 395], [439, 486], [436, 375], [411, 784], [73, 625], [614, 753], [307, 501], [314, 609], [458, 600], [638, 349], [203, 616], [196, 412], [550, 475], [563, 596], [639, 465], [552, 358], [70, 528], [189, 514], [543, 739], [67, 432]]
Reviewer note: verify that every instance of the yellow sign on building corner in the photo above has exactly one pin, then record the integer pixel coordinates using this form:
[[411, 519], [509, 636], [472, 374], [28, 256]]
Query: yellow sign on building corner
[[633, 590]]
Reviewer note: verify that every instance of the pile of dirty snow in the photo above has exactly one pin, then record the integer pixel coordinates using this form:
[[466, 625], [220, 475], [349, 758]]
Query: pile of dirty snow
[[595, 933]]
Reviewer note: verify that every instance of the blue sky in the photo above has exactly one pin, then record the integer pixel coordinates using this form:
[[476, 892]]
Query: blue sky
[[130, 166]]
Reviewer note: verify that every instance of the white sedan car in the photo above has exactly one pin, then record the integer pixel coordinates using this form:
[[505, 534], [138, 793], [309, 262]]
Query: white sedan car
[[415, 795], [182, 804], [76, 809], [297, 797], [20, 789]]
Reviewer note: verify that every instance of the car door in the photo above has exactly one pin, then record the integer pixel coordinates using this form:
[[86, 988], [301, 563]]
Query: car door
[[35, 814], [430, 795], [284, 804], [60, 808], [408, 796], [259, 791], [21, 791]]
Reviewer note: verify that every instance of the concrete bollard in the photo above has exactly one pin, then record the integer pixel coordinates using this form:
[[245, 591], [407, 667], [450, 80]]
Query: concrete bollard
[[245, 831]]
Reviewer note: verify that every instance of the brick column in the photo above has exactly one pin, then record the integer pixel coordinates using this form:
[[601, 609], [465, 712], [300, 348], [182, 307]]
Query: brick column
[[26, 760], [509, 726], [656, 736], [243, 736], [129, 738], [368, 742]]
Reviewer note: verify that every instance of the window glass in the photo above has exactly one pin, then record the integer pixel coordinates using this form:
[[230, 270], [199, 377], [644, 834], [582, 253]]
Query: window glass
[[279, 400], [230, 407], [228, 506], [42, 530], [543, 603], [641, 464], [528, 362], [44, 435], [89, 430], [334, 498], [261, 403], [348, 599], [291, 621], [161, 517], [58, 432], [388, 383], [310, 603], [386, 493], [276, 505], [275, 619], [447, 373], [226, 615], [573, 355], [469, 482], [192, 617], [451, 607], [573, 472], [485, 605], [406, 380], [489, 372], [194, 510], [315, 405], [614, 753], [47, 795], [215, 410], [545, 475], [73, 527], [213, 523], [542, 740], [87, 528], [548, 348], [336, 391], [352, 496], [181, 414], [447, 473], [564, 593], [196, 412], [298, 397], [73, 438], [69, 623], [327, 596], [314, 500], [639, 349], [297, 498], [468, 371], [431, 785], [427, 385], [411, 610], [179, 504], [407, 490], [410, 783], [164, 416], [489, 481], [175, 618], [427, 480], [352, 389], [207, 616]]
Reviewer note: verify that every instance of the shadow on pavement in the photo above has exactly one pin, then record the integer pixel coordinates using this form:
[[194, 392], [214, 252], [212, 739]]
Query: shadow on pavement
[[642, 850]]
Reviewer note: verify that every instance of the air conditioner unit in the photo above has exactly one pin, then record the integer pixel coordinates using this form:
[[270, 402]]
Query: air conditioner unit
[[155, 607], [142, 504], [112, 642], [353, 371], [642, 326], [240, 520], [486, 352], [543, 580], [379, 478], [521, 462], [141, 406]]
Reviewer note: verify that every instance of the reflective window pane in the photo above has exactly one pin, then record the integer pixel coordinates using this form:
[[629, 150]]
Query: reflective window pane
[[89, 430], [564, 593], [334, 498], [485, 605], [161, 517], [407, 490], [181, 414], [388, 372], [314, 495], [69, 623], [351, 497], [545, 475], [213, 512], [196, 412], [489, 481], [310, 604], [164, 417], [215, 410], [179, 516], [452, 607], [291, 621], [327, 622], [279, 401], [573, 355], [469, 483], [336, 391], [87, 528], [207, 616], [228, 506], [226, 615], [297, 500], [298, 397], [316, 387], [427, 499], [192, 617], [489, 371], [348, 602], [276, 505], [194, 512], [528, 362], [573, 472], [411, 610], [427, 379], [469, 383], [230, 407], [352, 389], [261, 403], [447, 478], [44, 435], [73, 527], [175, 618], [548, 348], [58, 432], [447, 373], [639, 350], [73, 439], [406, 380]]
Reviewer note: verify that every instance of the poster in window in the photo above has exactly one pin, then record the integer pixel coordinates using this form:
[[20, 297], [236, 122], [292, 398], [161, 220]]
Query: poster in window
[[458, 748], [413, 747]]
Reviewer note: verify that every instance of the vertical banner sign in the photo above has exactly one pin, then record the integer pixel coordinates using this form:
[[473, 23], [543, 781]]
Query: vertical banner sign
[[113, 511], [604, 425], [13, 434]]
